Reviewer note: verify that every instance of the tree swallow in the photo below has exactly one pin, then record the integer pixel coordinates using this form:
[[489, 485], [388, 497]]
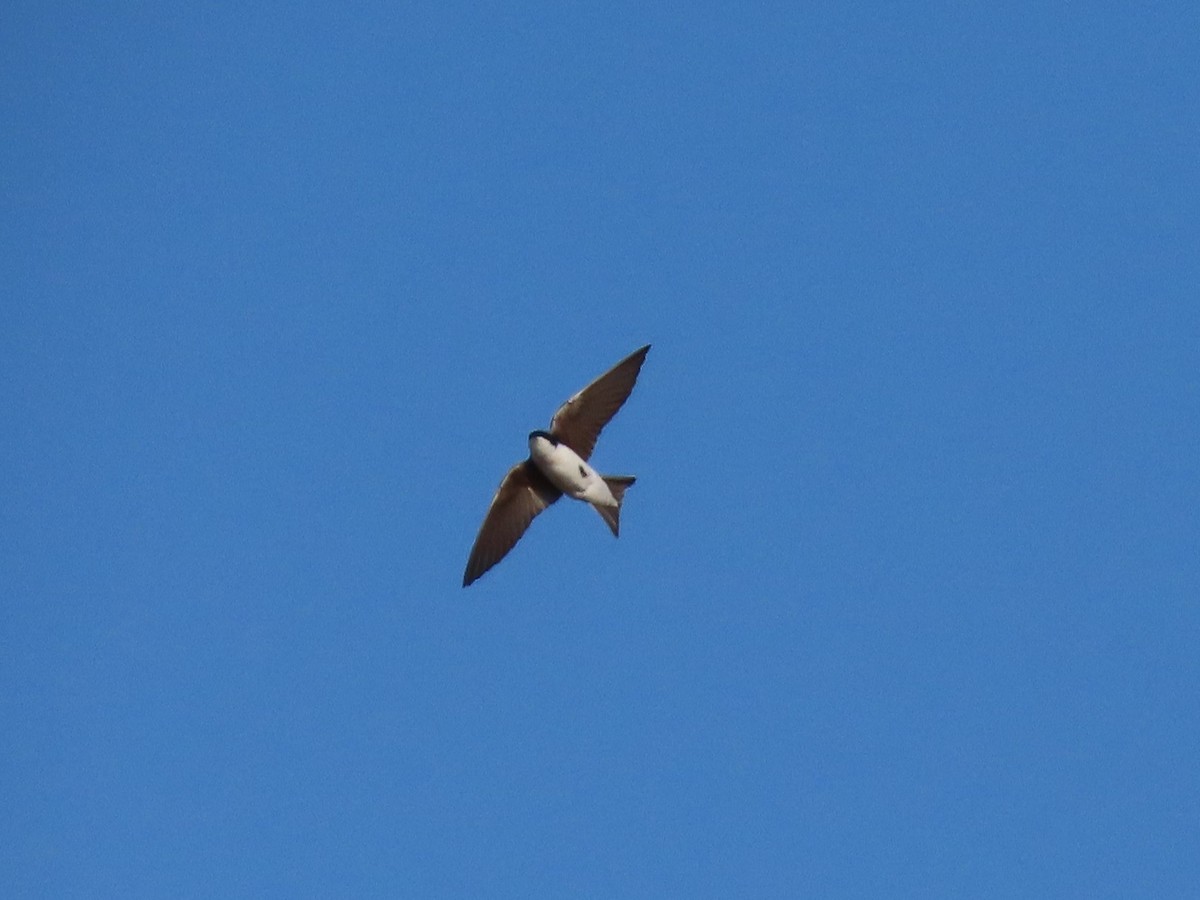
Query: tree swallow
[[557, 465]]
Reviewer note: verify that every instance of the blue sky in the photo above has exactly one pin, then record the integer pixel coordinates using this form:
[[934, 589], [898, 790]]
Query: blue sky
[[906, 598]]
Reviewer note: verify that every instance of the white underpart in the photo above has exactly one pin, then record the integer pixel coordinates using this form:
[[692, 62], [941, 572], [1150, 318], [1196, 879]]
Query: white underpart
[[569, 473]]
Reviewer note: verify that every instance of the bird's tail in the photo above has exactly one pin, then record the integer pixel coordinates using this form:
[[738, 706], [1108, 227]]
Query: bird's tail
[[612, 514]]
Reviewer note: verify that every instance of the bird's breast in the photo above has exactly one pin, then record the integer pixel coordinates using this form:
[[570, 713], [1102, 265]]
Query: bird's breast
[[564, 468]]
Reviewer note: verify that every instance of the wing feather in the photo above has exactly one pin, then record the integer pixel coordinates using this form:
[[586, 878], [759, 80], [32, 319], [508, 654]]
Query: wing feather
[[523, 493], [579, 421]]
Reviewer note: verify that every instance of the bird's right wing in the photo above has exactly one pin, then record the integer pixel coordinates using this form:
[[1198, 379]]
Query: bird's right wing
[[523, 493]]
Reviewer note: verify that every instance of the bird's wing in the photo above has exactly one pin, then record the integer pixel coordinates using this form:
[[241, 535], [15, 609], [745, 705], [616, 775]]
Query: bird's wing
[[523, 493], [578, 421]]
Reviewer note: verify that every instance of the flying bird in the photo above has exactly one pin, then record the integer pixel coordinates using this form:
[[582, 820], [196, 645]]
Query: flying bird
[[557, 465]]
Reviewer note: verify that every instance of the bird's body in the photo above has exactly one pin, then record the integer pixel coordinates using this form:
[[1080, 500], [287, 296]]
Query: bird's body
[[558, 465], [567, 471]]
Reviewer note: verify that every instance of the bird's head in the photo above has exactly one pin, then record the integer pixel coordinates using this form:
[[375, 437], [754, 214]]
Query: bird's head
[[545, 435]]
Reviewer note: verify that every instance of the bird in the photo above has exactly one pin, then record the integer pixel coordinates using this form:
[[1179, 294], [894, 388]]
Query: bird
[[557, 465]]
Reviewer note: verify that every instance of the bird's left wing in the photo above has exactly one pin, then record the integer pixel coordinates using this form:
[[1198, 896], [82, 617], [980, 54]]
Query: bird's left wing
[[578, 421], [523, 493]]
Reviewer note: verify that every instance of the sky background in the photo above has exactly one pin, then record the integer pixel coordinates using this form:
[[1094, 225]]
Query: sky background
[[906, 601]]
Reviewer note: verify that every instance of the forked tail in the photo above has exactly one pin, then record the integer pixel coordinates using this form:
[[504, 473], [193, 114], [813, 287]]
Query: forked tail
[[612, 514]]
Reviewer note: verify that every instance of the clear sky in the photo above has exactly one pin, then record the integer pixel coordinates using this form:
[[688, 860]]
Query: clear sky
[[906, 601]]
